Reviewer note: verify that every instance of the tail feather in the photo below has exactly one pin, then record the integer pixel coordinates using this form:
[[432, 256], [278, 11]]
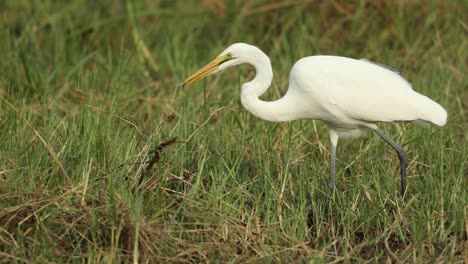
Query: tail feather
[[433, 112]]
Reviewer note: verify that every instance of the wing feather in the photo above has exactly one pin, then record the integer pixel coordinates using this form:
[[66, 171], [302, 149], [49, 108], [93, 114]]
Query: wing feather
[[396, 72], [345, 90]]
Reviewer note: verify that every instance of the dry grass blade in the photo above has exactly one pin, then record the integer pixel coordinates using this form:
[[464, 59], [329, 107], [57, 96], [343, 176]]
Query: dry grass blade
[[144, 52], [44, 143], [267, 8]]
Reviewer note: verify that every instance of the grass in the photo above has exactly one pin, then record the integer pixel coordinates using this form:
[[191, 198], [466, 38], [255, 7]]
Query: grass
[[88, 100]]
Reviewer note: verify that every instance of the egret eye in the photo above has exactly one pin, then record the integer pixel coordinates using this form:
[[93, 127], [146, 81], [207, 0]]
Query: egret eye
[[227, 57]]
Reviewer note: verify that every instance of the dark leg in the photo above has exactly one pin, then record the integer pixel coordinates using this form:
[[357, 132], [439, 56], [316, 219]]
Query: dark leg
[[331, 179], [401, 155], [333, 142]]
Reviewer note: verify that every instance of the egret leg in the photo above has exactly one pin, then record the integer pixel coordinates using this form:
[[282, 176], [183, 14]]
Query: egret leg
[[401, 155], [331, 179], [333, 142]]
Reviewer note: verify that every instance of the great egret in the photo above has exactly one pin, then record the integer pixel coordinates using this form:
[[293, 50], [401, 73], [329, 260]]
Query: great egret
[[350, 96]]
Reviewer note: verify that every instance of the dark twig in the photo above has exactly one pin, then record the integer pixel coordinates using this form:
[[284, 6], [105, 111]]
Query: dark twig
[[156, 156], [157, 153]]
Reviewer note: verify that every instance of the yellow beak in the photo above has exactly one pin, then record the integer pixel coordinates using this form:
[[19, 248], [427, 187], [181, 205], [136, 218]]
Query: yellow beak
[[205, 71]]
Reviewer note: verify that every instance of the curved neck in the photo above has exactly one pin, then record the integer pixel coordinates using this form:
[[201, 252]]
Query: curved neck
[[264, 75], [280, 110]]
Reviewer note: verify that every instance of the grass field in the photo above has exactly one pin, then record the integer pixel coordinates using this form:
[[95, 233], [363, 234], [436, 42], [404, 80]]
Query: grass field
[[102, 159]]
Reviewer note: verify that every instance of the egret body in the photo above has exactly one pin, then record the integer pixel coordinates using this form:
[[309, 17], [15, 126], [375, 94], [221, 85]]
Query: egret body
[[350, 96]]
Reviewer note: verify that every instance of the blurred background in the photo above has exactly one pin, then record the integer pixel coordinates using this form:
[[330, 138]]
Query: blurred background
[[103, 159]]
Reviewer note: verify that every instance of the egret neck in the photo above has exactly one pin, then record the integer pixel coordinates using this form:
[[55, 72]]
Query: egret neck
[[274, 111]]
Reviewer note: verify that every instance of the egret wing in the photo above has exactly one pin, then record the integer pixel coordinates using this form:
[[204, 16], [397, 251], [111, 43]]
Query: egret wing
[[344, 89]]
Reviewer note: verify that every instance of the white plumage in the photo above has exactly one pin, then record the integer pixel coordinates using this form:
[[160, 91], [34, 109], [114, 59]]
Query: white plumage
[[351, 96], [353, 93]]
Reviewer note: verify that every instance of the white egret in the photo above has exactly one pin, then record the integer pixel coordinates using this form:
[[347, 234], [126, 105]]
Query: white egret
[[350, 96]]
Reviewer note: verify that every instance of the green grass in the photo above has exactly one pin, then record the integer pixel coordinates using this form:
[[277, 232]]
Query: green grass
[[87, 94]]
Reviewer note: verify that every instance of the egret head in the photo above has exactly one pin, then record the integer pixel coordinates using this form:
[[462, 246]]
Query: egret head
[[235, 54]]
